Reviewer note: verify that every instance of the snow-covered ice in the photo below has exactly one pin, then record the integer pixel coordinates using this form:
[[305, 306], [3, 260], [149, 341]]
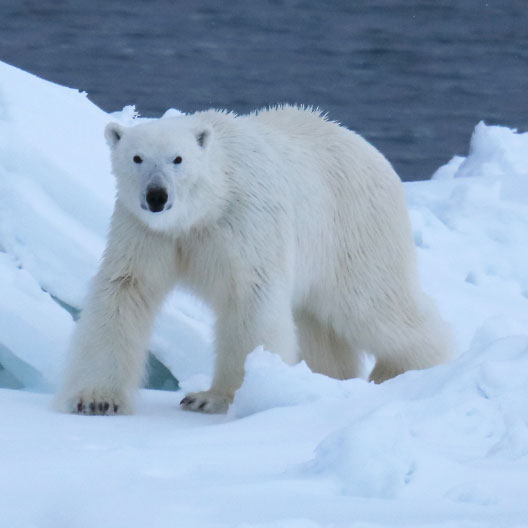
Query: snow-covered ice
[[446, 447]]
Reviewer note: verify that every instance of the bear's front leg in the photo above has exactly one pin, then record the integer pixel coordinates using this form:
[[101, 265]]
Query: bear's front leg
[[107, 353], [108, 349], [241, 327]]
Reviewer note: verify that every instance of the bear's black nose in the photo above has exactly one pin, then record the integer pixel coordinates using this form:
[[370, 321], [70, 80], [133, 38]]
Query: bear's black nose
[[156, 199]]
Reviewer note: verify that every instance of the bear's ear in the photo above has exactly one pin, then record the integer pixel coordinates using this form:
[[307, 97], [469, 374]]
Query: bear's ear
[[113, 133], [203, 136]]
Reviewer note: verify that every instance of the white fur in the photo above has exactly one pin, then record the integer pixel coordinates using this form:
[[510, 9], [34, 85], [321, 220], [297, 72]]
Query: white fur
[[293, 228]]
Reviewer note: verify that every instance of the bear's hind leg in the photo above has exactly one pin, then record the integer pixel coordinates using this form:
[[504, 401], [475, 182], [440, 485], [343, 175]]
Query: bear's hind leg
[[413, 339], [324, 350]]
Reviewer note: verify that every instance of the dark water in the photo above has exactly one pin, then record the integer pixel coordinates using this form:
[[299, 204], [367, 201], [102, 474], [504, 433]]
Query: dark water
[[414, 77]]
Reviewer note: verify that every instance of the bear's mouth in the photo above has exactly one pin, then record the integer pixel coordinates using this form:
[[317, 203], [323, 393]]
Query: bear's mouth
[[146, 208]]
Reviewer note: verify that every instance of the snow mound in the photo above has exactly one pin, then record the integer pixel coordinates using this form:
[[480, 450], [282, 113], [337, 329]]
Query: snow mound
[[444, 430], [270, 383], [500, 154]]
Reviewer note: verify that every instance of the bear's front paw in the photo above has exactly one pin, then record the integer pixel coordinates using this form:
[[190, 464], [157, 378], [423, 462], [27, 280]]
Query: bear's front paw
[[206, 402], [96, 403]]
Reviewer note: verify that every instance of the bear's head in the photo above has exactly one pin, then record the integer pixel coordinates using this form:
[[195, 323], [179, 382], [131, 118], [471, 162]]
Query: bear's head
[[163, 171]]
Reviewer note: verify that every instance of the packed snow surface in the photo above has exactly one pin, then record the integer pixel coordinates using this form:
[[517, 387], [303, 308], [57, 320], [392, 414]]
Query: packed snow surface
[[445, 447]]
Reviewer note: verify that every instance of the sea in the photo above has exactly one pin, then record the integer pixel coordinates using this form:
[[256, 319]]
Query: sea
[[414, 76]]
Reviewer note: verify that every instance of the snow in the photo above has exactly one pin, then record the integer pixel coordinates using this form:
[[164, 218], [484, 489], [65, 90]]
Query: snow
[[445, 447]]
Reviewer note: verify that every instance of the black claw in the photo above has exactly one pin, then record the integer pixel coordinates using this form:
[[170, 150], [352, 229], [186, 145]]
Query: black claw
[[80, 406], [116, 407], [100, 407], [202, 405], [92, 407], [106, 406], [187, 401]]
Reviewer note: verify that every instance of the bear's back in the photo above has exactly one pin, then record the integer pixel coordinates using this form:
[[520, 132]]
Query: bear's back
[[295, 120]]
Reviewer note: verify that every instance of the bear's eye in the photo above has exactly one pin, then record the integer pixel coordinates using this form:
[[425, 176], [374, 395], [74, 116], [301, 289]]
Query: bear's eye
[[177, 160], [138, 159]]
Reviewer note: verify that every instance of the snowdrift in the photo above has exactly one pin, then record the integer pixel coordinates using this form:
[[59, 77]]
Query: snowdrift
[[443, 447]]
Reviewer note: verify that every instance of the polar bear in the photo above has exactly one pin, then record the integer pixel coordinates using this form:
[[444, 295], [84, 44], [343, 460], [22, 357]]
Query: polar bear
[[291, 227]]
